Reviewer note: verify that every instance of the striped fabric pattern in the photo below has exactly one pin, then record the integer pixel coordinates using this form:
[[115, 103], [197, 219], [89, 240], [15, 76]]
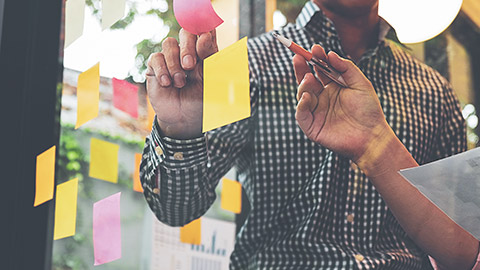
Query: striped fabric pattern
[[310, 208]]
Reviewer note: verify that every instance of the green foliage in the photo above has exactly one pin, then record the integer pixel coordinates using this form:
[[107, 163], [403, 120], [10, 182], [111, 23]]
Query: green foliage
[[290, 8]]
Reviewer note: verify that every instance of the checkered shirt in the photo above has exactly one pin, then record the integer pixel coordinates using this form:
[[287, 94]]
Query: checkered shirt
[[310, 207]]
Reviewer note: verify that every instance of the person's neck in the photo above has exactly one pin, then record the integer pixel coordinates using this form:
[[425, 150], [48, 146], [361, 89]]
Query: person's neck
[[357, 33]]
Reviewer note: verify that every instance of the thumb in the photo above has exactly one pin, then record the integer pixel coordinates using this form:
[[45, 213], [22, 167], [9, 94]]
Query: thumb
[[352, 75]]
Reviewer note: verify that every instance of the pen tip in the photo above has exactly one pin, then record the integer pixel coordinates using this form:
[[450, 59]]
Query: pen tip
[[275, 35]]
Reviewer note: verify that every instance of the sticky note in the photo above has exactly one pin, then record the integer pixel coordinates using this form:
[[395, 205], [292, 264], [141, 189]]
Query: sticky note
[[125, 97], [107, 236], [66, 209], [228, 31], [137, 185], [226, 94], [151, 115], [88, 95], [231, 196], [45, 176], [112, 11], [74, 17], [196, 16], [192, 232], [104, 160]]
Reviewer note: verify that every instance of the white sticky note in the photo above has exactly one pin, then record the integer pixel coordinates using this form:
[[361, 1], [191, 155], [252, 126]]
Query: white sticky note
[[74, 16], [112, 11]]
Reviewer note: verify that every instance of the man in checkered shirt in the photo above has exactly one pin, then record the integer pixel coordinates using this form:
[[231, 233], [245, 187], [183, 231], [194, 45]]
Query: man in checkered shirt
[[311, 207]]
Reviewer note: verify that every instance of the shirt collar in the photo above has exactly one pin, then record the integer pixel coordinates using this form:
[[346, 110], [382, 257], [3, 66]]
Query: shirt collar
[[311, 9]]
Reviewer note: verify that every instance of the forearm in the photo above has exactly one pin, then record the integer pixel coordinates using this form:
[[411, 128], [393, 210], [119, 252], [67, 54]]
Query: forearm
[[178, 184], [426, 224]]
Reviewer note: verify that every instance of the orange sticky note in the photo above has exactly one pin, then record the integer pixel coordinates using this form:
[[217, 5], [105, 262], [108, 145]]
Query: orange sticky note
[[88, 95], [226, 87], [137, 185], [192, 232], [66, 209], [231, 196], [45, 176], [104, 160]]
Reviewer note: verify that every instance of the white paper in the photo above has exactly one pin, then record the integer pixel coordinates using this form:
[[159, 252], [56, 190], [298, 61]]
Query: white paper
[[168, 253], [453, 184]]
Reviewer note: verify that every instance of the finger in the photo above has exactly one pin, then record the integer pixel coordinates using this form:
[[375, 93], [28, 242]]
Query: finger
[[207, 44], [156, 67], [319, 53], [171, 51], [352, 75], [304, 115], [301, 68], [188, 54], [309, 84]]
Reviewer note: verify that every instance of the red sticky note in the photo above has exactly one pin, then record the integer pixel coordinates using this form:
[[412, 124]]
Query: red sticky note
[[107, 236], [196, 16], [137, 185], [125, 97], [45, 176]]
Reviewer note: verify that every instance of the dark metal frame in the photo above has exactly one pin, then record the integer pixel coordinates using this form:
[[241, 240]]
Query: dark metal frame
[[29, 73]]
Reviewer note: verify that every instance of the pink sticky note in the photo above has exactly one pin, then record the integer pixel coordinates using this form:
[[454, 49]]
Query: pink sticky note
[[125, 97], [196, 16], [107, 237]]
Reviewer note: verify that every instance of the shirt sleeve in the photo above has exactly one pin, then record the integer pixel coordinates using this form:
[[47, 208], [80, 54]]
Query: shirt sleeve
[[179, 176], [451, 138]]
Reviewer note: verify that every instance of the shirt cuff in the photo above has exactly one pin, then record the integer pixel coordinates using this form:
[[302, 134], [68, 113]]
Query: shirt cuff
[[178, 154]]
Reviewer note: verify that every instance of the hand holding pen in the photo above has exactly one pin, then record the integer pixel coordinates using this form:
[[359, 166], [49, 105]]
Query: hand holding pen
[[318, 62], [349, 120]]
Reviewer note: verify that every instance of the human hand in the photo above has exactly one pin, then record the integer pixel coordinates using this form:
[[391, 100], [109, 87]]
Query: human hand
[[349, 121], [175, 83]]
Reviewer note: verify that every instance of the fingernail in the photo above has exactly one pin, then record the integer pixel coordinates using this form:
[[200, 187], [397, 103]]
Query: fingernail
[[179, 80], [188, 61], [164, 80]]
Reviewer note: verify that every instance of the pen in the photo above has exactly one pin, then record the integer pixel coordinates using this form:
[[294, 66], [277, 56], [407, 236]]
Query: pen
[[330, 72]]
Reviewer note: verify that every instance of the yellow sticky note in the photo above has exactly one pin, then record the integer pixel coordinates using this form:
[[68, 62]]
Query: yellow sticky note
[[151, 115], [112, 11], [137, 185], [88, 95], [192, 232], [74, 16], [66, 209], [231, 196], [45, 176], [226, 94], [104, 160]]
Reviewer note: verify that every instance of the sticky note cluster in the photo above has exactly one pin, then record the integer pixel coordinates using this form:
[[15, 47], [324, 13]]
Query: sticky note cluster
[[112, 11]]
